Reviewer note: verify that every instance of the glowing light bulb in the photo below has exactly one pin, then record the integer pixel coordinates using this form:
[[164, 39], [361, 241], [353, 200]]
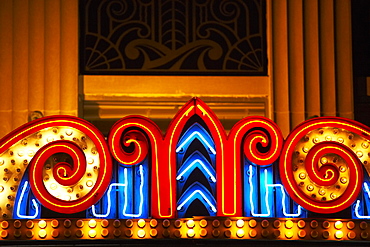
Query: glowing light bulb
[[289, 224], [92, 223], [240, 223], [89, 183], [338, 225], [310, 187], [302, 175], [42, 224], [343, 180], [338, 234], [190, 233], [240, 233], [92, 233], [141, 223], [288, 234], [190, 223], [141, 233]]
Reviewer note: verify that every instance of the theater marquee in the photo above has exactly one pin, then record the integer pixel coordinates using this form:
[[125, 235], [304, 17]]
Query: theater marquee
[[62, 180]]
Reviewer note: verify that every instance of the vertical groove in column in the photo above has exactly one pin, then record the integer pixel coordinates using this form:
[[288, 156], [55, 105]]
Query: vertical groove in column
[[69, 57], [311, 57], [280, 64], [52, 57], [6, 66], [343, 42], [296, 65], [327, 58], [36, 56], [20, 63]]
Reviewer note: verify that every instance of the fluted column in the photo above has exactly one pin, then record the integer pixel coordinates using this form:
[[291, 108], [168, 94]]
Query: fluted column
[[52, 57], [6, 66], [296, 67], [38, 60], [343, 43], [327, 58], [280, 64], [69, 57], [20, 62], [36, 56], [319, 58], [311, 58]]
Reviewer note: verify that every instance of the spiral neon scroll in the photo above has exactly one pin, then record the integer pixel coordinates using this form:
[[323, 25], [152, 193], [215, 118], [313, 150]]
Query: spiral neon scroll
[[69, 163], [321, 163]]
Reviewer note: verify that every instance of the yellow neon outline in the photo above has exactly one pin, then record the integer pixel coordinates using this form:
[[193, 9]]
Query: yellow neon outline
[[37, 161], [292, 140], [264, 140], [314, 171], [156, 161], [65, 171], [186, 113], [222, 165], [128, 141], [235, 155]]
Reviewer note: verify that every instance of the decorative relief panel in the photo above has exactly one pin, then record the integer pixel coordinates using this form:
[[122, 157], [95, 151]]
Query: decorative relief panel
[[199, 37]]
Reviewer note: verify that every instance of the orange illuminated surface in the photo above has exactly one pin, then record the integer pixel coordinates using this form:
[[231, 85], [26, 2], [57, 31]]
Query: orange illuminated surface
[[321, 166], [199, 228]]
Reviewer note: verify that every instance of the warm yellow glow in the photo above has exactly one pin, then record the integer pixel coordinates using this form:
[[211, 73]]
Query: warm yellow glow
[[289, 234], [42, 224], [4, 224], [153, 232], [54, 223], [289, 224], [190, 223], [141, 223], [203, 223], [104, 223], [153, 222], [92, 223], [338, 234], [203, 232], [338, 225], [92, 233], [191, 228], [252, 223], [4, 234], [141, 233], [350, 225], [190, 233], [253, 233], [240, 223], [104, 232], [42, 233], [240, 233]]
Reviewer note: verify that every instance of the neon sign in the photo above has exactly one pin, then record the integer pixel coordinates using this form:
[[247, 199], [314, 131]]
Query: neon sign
[[59, 166]]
